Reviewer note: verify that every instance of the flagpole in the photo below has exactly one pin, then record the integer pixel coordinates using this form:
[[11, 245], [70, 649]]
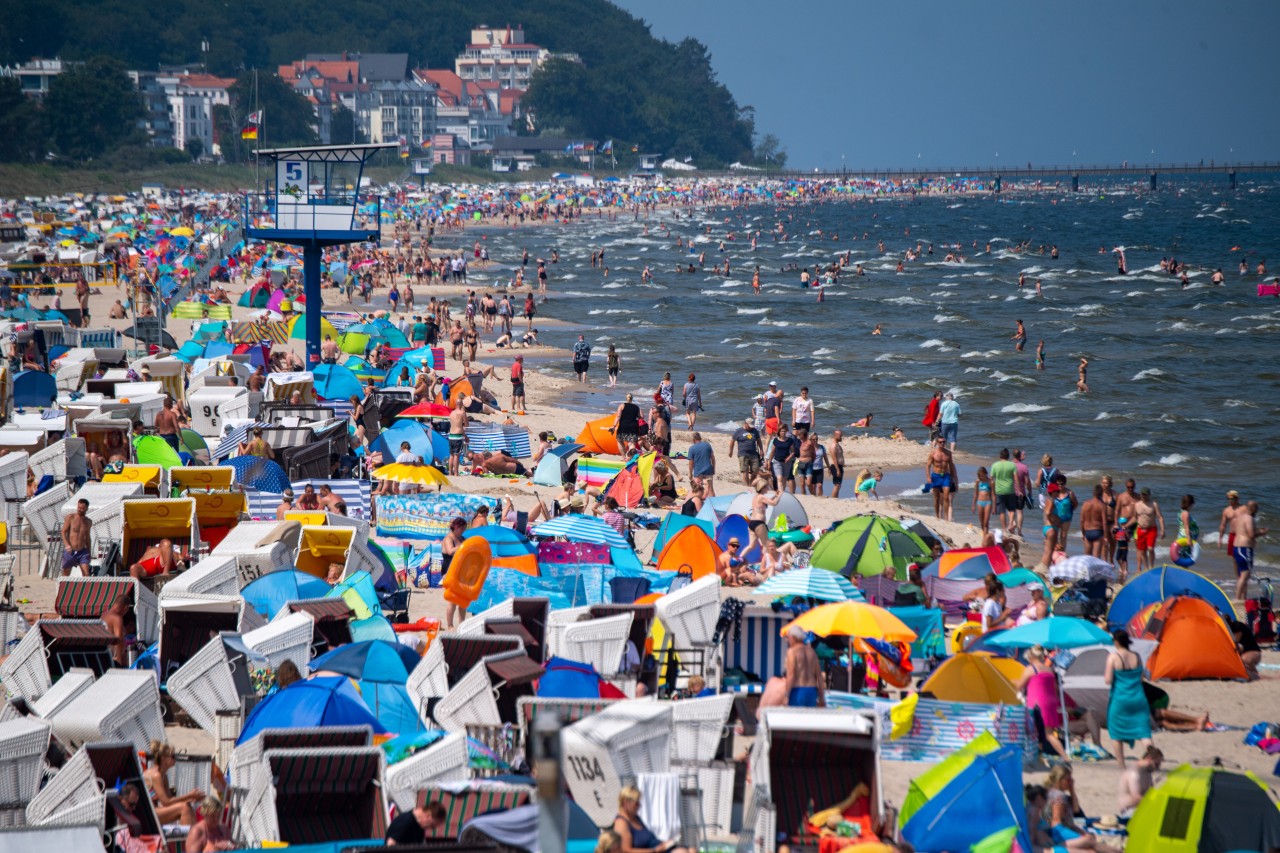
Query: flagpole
[[257, 185]]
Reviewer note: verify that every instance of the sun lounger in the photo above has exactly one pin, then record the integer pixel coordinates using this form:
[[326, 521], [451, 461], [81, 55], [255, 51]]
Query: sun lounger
[[447, 760]]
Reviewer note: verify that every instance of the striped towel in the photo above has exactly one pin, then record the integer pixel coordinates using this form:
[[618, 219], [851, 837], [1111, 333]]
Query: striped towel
[[231, 443], [513, 439], [597, 472], [355, 493]]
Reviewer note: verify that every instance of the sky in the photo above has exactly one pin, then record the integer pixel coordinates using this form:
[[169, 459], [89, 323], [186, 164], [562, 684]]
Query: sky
[[902, 83]]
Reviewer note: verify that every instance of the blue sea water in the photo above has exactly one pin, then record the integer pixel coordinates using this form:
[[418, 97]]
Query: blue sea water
[[1184, 384]]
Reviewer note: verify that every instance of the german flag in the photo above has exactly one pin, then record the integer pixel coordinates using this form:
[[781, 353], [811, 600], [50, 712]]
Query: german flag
[[249, 131]]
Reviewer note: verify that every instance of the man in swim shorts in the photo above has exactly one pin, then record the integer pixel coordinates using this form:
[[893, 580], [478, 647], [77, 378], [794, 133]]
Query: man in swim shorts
[[76, 539], [804, 675], [1246, 531], [159, 559], [1093, 520], [457, 433], [1150, 529], [1225, 534], [940, 471]]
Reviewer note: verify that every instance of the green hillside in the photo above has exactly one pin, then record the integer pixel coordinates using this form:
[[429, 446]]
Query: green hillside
[[632, 87]]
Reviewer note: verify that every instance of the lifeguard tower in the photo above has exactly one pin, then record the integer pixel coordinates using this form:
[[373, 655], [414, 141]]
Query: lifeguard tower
[[312, 200]]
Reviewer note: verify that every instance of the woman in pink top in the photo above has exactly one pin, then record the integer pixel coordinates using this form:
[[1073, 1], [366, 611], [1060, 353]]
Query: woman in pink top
[[1039, 687]]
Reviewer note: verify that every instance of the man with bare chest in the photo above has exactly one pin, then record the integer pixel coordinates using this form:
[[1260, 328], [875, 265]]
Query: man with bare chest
[[76, 538], [940, 471], [804, 674]]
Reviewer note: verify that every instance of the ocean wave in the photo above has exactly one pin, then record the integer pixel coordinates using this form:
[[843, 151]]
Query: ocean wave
[[754, 310], [1149, 373], [824, 351], [1014, 408], [933, 342], [1231, 404], [1140, 443], [947, 318], [1173, 460], [826, 371]]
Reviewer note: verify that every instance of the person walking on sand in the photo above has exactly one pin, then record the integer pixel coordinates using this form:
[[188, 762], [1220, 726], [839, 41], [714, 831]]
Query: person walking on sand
[[76, 539], [1093, 525], [702, 464], [835, 462], [757, 520], [1225, 534], [692, 397], [1004, 484], [1128, 712], [949, 419], [746, 440], [1245, 532]]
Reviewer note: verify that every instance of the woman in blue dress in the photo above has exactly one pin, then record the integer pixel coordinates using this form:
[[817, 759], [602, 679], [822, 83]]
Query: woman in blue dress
[[1128, 712]]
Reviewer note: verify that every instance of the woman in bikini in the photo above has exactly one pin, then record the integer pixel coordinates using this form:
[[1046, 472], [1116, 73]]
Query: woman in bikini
[[756, 522], [168, 807]]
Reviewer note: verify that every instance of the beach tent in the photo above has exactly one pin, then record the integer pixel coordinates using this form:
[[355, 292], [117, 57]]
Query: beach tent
[[567, 679], [788, 505], [735, 526], [865, 545], [335, 382], [1194, 642], [34, 389], [690, 551], [969, 564], [971, 678], [1159, 584], [510, 550], [631, 484], [269, 593], [256, 296], [317, 702], [423, 441], [1205, 810], [983, 798], [596, 438], [714, 509], [928, 784], [553, 467], [673, 523]]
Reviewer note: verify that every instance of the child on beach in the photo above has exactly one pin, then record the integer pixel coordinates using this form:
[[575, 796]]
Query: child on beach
[[864, 488], [982, 499]]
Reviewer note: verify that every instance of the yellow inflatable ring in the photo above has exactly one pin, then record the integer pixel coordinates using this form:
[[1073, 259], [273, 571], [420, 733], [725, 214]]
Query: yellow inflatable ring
[[964, 635]]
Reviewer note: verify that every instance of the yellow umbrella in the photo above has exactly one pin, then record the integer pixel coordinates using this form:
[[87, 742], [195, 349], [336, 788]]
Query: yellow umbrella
[[182, 231], [853, 619], [423, 475]]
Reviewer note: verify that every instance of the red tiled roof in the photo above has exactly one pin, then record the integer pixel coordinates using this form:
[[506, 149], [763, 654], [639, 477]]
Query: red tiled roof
[[205, 81]]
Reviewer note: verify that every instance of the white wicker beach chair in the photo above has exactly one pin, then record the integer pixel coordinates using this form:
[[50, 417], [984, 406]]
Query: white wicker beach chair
[[246, 758], [715, 787], [12, 624], [618, 744], [13, 476], [444, 761], [104, 510], [470, 702], [191, 773], [429, 679], [474, 624], [253, 560], [316, 795], [209, 613], [207, 684], [14, 818], [599, 642], [63, 459], [44, 512], [23, 744], [122, 705], [210, 576], [698, 726], [25, 672], [557, 620], [690, 613], [287, 638], [72, 683], [88, 598], [73, 796]]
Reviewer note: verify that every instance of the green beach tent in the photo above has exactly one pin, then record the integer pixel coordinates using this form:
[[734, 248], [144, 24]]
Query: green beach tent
[[926, 786], [154, 450], [1205, 810], [866, 545]]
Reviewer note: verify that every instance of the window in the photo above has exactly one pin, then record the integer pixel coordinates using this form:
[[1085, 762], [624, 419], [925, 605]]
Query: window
[[1177, 817]]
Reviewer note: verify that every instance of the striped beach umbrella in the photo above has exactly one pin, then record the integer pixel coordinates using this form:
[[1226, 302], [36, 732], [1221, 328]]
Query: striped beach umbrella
[[580, 528], [810, 583]]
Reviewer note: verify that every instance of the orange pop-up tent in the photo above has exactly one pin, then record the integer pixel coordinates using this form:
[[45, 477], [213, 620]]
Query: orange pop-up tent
[[690, 551], [1194, 642], [596, 438]]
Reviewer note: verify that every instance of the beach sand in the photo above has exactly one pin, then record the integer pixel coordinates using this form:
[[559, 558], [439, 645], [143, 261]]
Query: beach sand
[[1234, 704]]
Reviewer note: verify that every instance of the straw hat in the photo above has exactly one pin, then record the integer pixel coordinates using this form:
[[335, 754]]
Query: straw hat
[[1107, 821]]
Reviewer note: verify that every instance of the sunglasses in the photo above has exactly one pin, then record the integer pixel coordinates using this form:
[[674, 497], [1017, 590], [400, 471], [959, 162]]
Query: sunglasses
[[733, 544]]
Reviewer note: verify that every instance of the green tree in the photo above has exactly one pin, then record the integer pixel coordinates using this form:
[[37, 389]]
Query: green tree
[[91, 108], [342, 129], [21, 126], [288, 118], [769, 151], [195, 148]]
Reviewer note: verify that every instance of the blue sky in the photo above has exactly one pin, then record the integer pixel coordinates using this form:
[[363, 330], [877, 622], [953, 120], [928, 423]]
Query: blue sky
[[929, 82]]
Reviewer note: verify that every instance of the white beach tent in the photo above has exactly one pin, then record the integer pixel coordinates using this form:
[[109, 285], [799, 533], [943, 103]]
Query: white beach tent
[[788, 504]]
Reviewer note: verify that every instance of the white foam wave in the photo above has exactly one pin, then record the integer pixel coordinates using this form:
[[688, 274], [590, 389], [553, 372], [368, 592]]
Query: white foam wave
[[1013, 408], [1149, 373]]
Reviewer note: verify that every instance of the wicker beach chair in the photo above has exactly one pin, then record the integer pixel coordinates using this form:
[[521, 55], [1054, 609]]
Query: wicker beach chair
[[332, 618], [63, 460], [73, 796], [13, 476], [447, 661], [43, 513], [477, 798], [698, 727], [474, 624], [714, 805], [52, 647], [215, 679], [72, 683], [557, 621], [23, 744], [599, 642], [246, 758], [89, 598], [188, 619], [313, 796], [210, 576], [12, 623], [286, 638], [690, 614], [446, 760], [122, 705], [259, 547]]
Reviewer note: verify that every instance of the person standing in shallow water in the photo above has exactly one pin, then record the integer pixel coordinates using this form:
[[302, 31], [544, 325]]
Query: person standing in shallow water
[[1019, 337]]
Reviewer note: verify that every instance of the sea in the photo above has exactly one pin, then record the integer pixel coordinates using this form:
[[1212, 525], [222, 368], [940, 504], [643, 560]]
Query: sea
[[1184, 384]]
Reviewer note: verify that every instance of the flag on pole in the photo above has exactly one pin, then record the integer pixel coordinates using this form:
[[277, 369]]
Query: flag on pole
[[254, 118], [591, 146], [426, 143], [635, 148], [578, 146], [607, 147], [249, 131]]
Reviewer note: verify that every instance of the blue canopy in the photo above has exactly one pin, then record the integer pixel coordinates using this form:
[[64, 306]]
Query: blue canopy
[[425, 442], [335, 382], [189, 352], [275, 589], [370, 661], [518, 828], [568, 679], [1155, 585], [217, 349], [254, 472], [420, 358], [35, 389], [503, 541], [984, 798], [317, 702], [393, 706], [376, 627]]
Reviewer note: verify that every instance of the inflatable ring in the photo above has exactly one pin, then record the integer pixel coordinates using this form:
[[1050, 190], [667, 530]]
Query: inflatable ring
[[800, 538], [468, 572], [1184, 552], [896, 674], [964, 635]]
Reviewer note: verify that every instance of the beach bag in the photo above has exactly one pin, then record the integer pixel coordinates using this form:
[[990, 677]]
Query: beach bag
[[1261, 732]]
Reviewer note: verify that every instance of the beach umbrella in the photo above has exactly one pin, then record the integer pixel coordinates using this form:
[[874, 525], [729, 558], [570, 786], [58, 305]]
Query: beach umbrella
[[867, 545], [1021, 577], [567, 679], [154, 450], [810, 583], [335, 382], [580, 528], [254, 472], [370, 661], [969, 564], [182, 231], [314, 703], [423, 475], [269, 593], [426, 410], [853, 619], [1081, 567], [428, 444]]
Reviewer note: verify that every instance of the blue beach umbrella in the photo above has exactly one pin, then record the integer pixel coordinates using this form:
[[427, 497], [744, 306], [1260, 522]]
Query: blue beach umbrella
[[1056, 632], [811, 583], [424, 441], [314, 703], [580, 528], [275, 589], [374, 661], [254, 472]]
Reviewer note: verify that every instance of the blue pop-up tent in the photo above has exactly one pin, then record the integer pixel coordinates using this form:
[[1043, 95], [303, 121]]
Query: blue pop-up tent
[[424, 441], [317, 702], [982, 799], [274, 590]]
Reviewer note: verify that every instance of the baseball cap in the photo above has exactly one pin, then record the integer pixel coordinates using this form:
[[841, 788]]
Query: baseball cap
[[1053, 487], [773, 384], [1233, 494]]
